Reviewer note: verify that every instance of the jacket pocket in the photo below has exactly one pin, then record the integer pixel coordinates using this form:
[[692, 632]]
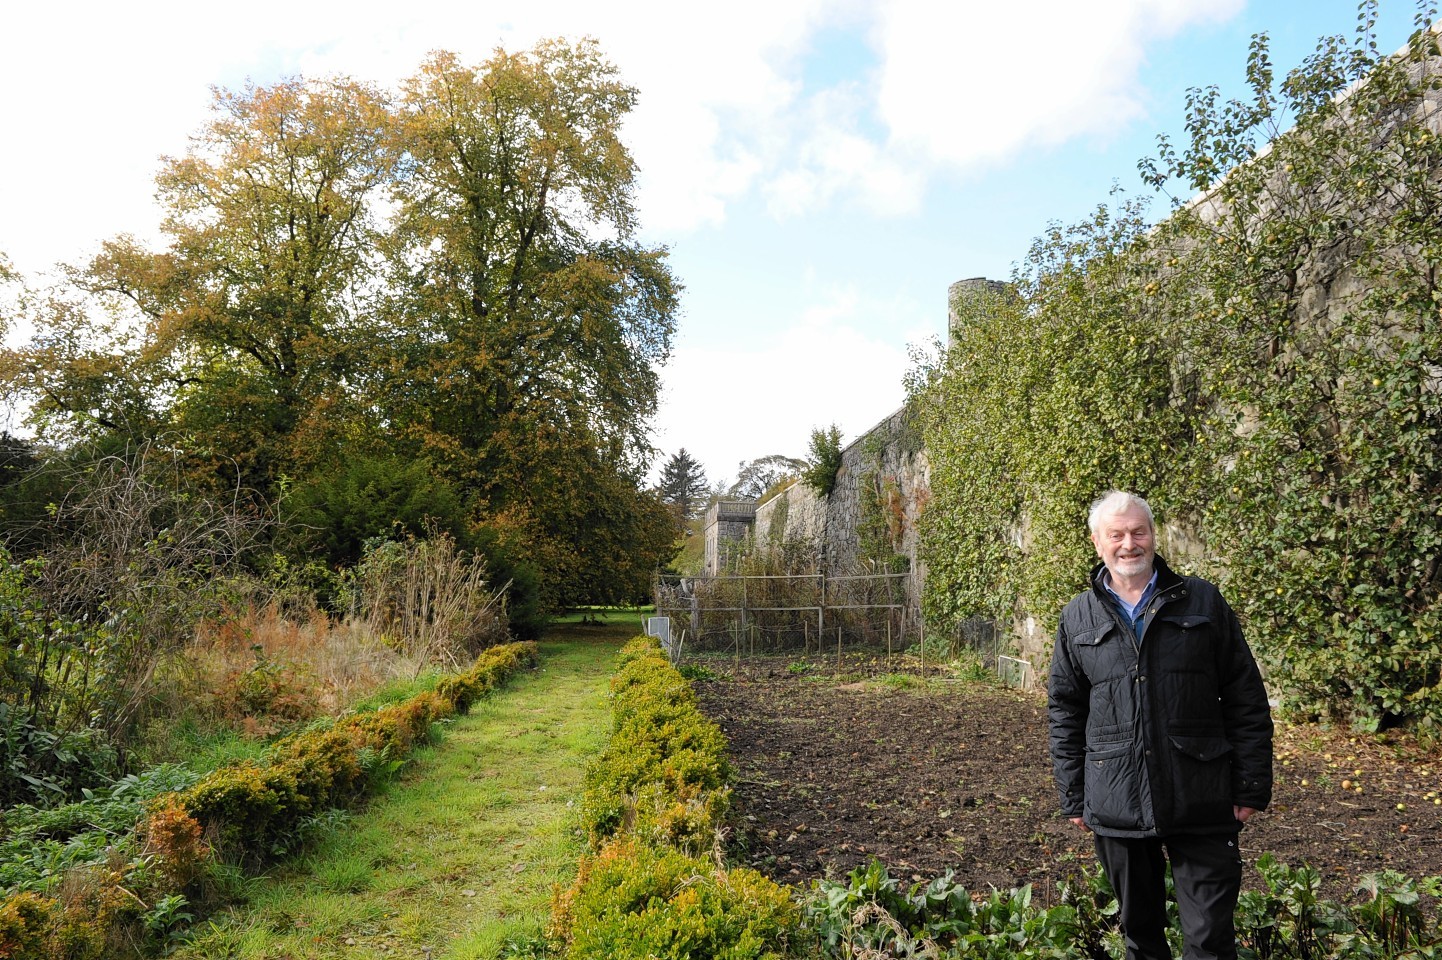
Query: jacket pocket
[[1097, 653], [1187, 644], [1201, 780], [1188, 621], [1113, 787], [1090, 638]]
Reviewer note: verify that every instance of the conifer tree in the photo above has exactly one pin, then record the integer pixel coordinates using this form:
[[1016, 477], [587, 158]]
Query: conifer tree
[[683, 485]]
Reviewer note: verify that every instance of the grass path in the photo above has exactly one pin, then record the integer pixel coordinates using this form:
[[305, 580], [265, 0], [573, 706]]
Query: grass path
[[463, 850]]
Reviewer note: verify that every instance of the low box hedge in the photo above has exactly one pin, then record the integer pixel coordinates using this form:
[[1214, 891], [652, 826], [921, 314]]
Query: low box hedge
[[247, 812], [655, 883]]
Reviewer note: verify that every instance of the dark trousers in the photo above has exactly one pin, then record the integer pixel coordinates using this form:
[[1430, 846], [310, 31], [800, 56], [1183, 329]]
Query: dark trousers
[[1207, 873]]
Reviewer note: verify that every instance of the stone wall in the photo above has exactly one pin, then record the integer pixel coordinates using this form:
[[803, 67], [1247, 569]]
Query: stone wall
[[727, 522], [884, 474], [795, 514], [871, 517]]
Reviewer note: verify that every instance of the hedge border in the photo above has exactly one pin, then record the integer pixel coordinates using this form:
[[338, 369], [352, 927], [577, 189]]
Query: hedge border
[[654, 882], [258, 803]]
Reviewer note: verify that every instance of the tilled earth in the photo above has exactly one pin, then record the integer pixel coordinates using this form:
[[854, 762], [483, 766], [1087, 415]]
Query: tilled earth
[[836, 767]]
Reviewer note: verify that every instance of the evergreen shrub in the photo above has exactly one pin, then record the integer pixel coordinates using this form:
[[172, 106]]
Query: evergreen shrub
[[635, 901], [654, 807]]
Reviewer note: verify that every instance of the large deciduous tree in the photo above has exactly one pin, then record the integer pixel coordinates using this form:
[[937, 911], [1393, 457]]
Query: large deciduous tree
[[259, 301], [530, 318], [754, 478], [450, 276]]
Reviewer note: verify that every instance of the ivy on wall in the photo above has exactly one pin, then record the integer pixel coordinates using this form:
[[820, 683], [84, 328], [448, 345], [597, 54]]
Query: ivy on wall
[[1048, 392], [881, 523], [1264, 365]]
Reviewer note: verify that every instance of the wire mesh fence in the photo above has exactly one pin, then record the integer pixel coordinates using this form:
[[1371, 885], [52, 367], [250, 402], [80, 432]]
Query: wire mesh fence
[[817, 614], [750, 615]]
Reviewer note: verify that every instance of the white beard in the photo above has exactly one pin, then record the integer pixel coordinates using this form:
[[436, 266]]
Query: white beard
[[1133, 567]]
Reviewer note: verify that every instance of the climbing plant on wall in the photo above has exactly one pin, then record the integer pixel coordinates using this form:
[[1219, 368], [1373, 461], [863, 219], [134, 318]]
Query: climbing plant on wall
[[1313, 292], [1265, 365], [1047, 393], [881, 524]]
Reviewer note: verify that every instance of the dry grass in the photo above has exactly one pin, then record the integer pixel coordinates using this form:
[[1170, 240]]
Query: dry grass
[[273, 658], [347, 659], [311, 659], [432, 599]]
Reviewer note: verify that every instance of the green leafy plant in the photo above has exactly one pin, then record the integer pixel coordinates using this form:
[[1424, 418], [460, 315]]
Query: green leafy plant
[[168, 919], [872, 914], [697, 671], [1261, 365], [824, 460]]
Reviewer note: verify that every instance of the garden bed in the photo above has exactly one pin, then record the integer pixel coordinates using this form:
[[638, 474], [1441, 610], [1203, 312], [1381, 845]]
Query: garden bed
[[835, 767]]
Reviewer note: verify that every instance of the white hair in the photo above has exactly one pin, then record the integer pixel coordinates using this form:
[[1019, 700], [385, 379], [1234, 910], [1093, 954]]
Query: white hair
[[1116, 501]]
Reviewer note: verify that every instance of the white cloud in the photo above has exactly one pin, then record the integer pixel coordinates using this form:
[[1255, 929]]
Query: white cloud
[[734, 404], [834, 156], [963, 86], [966, 84], [97, 91]]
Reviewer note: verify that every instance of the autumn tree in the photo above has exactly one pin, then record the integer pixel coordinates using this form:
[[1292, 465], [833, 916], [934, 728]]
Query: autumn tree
[[530, 318], [447, 277], [257, 306]]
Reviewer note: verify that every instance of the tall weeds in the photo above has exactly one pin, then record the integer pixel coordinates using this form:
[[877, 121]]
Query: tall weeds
[[140, 558], [429, 600]]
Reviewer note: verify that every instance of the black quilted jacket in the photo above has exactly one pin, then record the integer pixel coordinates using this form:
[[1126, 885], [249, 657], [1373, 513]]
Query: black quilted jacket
[[1161, 733]]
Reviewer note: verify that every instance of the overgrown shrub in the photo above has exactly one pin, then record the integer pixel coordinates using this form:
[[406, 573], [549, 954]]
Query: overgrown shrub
[[149, 553], [433, 600], [44, 766], [268, 695], [25, 921], [824, 460], [172, 838], [49, 695]]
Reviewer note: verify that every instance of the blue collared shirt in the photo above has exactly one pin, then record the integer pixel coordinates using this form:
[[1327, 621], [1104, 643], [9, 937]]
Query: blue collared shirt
[[1135, 613]]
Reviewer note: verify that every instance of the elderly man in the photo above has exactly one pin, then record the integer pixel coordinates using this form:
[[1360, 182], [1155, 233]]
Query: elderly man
[[1161, 736]]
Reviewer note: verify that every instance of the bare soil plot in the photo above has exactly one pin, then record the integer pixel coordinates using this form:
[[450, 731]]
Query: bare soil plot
[[837, 767]]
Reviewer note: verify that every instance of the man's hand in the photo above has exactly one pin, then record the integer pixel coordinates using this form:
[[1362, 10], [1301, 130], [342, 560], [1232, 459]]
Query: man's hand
[[1243, 814], [1081, 823]]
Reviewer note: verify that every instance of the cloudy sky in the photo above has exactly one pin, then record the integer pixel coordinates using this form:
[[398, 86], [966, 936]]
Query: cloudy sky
[[822, 170]]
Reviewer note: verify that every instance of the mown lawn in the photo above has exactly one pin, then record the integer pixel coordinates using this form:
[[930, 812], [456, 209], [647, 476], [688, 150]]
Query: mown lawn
[[462, 851]]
